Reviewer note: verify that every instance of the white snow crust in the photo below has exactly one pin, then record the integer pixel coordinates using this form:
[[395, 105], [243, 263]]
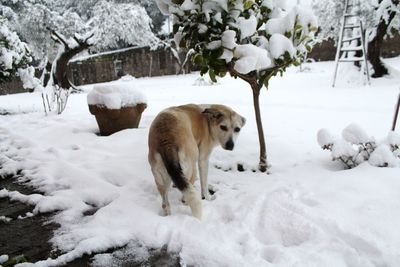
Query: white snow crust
[[251, 57], [307, 212]]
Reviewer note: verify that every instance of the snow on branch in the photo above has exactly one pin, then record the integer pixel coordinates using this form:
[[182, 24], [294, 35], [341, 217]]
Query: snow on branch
[[242, 37]]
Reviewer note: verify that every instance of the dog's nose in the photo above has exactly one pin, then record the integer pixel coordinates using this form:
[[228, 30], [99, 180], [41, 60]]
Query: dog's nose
[[229, 145]]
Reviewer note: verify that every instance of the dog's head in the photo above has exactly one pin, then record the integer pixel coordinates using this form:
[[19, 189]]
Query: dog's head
[[225, 124]]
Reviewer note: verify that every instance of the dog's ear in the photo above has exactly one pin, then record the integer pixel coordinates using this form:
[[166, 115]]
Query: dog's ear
[[213, 113], [243, 121]]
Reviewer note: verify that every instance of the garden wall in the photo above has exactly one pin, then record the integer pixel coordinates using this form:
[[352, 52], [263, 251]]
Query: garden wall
[[143, 62]]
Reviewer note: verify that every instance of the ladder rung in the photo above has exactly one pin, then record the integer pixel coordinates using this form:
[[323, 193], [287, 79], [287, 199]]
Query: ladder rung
[[350, 15], [351, 26], [352, 59], [347, 49], [351, 38]]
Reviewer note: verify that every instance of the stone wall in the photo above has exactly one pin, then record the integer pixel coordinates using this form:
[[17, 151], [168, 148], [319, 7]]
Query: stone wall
[[12, 87], [138, 62]]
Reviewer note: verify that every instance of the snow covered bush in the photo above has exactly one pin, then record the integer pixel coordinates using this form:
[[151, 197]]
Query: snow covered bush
[[14, 53], [356, 147], [252, 39]]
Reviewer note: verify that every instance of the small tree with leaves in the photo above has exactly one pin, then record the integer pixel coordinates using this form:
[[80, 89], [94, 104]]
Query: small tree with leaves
[[250, 39]]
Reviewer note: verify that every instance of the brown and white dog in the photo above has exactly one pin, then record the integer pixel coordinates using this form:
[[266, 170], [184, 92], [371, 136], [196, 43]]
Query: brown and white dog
[[182, 136]]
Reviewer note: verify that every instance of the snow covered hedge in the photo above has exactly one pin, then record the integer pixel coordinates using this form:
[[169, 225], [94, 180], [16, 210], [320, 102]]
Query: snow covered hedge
[[252, 35], [13, 52], [357, 147]]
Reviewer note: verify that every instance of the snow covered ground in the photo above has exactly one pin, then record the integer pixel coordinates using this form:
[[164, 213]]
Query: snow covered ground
[[307, 212]]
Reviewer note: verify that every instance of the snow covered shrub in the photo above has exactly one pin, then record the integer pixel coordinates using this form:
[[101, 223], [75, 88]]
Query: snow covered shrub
[[13, 52], [250, 39], [356, 147]]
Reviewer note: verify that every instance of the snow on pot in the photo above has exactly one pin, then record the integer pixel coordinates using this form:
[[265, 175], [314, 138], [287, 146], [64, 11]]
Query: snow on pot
[[116, 107]]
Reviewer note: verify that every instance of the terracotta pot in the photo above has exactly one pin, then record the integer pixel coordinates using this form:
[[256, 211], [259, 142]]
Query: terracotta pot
[[113, 120]]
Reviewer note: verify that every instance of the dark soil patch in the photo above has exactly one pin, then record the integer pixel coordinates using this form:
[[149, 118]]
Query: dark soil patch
[[30, 236]]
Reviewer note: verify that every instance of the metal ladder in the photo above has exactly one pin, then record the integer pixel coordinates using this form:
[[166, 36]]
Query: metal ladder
[[351, 31]]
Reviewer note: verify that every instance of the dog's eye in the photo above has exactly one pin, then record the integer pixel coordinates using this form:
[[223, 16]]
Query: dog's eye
[[223, 128], [237, 129]]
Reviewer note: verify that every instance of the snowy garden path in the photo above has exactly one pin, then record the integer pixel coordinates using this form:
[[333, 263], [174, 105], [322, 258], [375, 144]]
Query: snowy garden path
[[307, 212]]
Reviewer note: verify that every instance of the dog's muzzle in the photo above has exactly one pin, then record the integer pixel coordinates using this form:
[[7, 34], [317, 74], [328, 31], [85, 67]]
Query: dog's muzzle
[[229, 145]]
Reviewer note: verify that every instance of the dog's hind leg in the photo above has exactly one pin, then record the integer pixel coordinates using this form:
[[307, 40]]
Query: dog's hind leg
[[192, 180], [163, 183], [166, 208]]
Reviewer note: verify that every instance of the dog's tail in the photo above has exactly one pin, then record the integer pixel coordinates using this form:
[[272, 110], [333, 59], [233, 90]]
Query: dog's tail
[[174, 169]]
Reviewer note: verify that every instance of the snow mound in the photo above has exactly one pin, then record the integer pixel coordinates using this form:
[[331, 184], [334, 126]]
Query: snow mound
[[127, 78], [393, 139], [279, 45], [115, 96], [325, 138], [250, 58], [355, 134], [342, 148], [383, 157]]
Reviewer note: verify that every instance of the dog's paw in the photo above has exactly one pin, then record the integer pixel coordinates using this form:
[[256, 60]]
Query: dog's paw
[[209, 197], [212, 189]]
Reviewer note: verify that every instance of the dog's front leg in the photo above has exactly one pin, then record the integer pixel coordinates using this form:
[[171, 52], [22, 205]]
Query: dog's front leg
[[203, 169]]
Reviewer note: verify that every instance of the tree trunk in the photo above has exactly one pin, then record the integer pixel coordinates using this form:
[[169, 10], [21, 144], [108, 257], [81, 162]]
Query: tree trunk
[[61, 74], [262, 165], [396, 114], [375, 45]]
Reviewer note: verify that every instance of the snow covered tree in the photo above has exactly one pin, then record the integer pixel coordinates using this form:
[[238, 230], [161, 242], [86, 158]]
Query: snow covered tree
[[380, 17], [250, 39], [387, 19], [72, 26], [14, 53]]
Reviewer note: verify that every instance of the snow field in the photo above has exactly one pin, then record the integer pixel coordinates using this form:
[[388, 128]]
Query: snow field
[[307, 212]]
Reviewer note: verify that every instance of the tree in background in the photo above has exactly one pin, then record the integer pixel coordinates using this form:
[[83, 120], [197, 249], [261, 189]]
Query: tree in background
[[14, 53], [387, 21], [380, 17], [253, 40], [56, 31]]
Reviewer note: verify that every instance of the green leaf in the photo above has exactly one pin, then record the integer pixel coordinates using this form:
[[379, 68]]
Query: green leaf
[[203, 70], [248, 4], [15, 260], [198, 59], [212, 75]]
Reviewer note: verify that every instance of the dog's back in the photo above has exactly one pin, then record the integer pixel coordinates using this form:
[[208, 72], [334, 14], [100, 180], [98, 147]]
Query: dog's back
[[173, 152]]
